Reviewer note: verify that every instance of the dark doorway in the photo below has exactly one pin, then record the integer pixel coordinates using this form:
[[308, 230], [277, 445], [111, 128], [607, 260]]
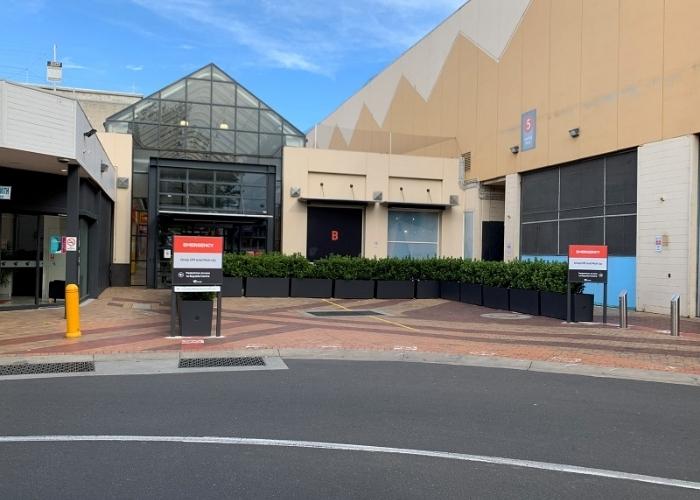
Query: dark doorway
[[333, 231], [492, 240]]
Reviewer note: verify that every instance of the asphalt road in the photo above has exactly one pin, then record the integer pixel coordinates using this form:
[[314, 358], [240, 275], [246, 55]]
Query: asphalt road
[[634, 427]]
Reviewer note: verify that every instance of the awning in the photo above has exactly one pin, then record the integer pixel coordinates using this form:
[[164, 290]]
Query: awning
[[418, 205], [336, 201]]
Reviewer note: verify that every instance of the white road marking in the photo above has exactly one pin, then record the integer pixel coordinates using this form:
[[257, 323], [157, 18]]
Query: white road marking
[[513, 462], [405, 348]]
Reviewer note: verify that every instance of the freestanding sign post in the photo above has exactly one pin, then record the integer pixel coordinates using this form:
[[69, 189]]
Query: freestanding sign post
[[588, 264], [197, 267]]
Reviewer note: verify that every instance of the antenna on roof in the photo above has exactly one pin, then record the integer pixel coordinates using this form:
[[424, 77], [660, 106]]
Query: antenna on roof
[[54, 69]]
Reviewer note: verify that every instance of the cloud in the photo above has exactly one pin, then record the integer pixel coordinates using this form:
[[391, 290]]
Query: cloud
[[314, 36], [134, 67], [68, 63], [186, 46]]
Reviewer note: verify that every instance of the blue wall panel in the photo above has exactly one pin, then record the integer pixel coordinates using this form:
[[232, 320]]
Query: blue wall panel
[[622, 275]]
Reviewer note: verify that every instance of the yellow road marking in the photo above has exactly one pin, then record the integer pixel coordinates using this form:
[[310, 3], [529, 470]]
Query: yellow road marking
[[373, 317]]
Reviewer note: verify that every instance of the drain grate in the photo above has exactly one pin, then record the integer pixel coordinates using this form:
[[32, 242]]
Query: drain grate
[[345, 313], [41, 368], [220, 362]]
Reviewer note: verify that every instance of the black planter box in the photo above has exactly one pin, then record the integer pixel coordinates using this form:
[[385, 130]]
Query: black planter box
[[395, 289], [471, 294], [496, 297], [232, 287], [267, 287], [525, 301], [553, 305], [354, 289], [312, 288], [427, 289], [195, 317], [449, 290]]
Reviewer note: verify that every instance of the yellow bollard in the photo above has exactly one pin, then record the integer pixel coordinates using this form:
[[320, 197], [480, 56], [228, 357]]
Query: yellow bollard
[[72, 311]]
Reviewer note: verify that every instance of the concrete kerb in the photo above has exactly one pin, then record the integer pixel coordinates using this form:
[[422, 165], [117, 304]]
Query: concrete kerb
[[378, 355]]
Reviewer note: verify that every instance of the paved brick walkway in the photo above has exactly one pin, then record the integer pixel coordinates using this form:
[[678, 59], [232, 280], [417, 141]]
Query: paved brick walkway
[[125, 320]]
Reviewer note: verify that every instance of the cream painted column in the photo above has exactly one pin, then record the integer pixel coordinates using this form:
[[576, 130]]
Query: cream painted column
[[511, 231], [119, 149], [667, 195]]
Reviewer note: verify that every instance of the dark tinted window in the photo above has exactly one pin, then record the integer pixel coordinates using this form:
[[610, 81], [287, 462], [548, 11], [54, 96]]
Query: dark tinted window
[[621, 235], [539, 193], [539, 238]]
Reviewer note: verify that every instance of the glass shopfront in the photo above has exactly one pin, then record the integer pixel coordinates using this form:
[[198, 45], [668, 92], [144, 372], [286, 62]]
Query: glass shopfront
[[32, 264]]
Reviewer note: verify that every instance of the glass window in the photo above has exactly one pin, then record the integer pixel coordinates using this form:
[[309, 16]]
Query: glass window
[[621, 235], [199, 91], [468, 235], [146, 111], [270, 122], [229, 177], [251, 179], [223, 117], [413, 234], [580, 232], [201, 175], [174, 113], [172, 201], [200, 202], [118, 127], [139, 185], [204, 73], [246, 143], [294, 141], [247, 119], [539, 239], [198, 115], [142, 159], [173, 173], [540, 195], [582, 189], [172, 138], [217, 74], [145, 136], [176, 91], [245, 98], [223, 141], [198, 139], [270, 145], [224, 93]]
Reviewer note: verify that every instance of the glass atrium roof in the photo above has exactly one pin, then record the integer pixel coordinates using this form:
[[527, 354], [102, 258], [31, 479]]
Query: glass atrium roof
[[206, 114]]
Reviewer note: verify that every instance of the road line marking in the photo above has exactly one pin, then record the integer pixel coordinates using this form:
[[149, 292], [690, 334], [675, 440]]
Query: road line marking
[[464, 457], [374, 317]]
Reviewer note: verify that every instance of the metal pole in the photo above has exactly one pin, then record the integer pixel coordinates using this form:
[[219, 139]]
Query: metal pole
[[605, 303], [173, 306], [623, 308], [675, 315], [568, 302], [218, 314]]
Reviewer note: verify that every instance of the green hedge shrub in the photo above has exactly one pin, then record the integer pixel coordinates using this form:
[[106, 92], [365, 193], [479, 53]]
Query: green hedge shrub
[[528, 275]]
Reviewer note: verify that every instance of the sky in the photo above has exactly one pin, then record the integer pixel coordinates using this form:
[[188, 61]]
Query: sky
[[301, 57]]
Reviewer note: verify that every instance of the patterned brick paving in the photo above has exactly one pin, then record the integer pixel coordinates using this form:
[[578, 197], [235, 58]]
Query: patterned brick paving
[[137, 320]]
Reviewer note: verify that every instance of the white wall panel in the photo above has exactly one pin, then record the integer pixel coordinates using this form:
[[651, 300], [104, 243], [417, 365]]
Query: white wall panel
[[667, 189], [38, 122]]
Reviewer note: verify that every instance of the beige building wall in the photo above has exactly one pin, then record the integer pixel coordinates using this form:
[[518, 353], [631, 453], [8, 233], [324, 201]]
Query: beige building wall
[[667, 197], [622, 71], [119, 149], [354, 176]]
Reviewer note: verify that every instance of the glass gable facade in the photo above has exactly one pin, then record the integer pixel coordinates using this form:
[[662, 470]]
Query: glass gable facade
[[204, 118]]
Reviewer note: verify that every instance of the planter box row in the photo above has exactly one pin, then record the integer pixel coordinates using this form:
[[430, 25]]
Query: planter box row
[[531, 302], [326, 288]]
